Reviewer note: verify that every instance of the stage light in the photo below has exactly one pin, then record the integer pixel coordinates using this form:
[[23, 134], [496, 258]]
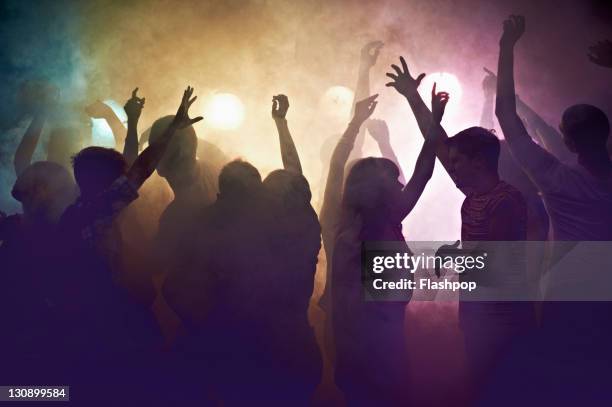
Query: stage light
[[340, 95], [224, 111], [445, 82], [338, 100]]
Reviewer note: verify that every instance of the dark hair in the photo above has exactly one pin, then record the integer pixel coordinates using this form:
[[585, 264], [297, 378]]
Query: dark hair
[[587, 126], [185, 139], [52, 176], [477, 142], [238, 178], [96, 168], [362, 186], [291, 188]]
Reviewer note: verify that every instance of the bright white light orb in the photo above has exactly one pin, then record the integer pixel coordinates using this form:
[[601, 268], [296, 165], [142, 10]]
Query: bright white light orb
[[338, 100], [445, 82], [224, 111]]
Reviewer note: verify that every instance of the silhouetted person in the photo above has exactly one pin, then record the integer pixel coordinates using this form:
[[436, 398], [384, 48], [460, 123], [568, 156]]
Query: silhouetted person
[[218, 289], [369, 336], [28, 290], [193, 182], [330, 191], [492, 211], [578, 199], [103, 325], [243, 291], [295, 240], [509, 169]]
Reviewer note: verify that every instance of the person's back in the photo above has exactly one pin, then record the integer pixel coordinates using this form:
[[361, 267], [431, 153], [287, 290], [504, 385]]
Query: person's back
[[295, 241], [579, 203], [101, 314], [538, 223], [493, 216], [194, 184], [29, 254]]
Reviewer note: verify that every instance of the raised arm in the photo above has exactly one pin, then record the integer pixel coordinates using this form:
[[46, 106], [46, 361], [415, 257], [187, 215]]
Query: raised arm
[[29, 141], [380, 133], [148, 160], [289, 154], [368, 58], [333, 187], [133, 108], [100, 110], [536, 127], [529, 155], [407, 86], [424, 166], [488, 88], [547, 136]]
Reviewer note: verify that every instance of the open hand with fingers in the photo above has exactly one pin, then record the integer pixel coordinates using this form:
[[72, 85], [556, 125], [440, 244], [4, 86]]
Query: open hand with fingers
[[514, 28], [438, 104], [370, 52], [601, 53], [133, 107], [181, 119], [280, 105], [364, 109], [403, 82]]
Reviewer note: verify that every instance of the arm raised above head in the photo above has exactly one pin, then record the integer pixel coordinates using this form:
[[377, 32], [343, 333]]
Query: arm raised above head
[[533, 158], [133, 108], [333, 187], [407, 86], [148, 160], [289, 154]]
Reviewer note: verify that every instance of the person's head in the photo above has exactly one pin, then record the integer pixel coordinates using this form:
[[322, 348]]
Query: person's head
[[473, 154], [372, 186], [585, 129], [288, 188], [63, 143], [96, 168], [181, 151], [45, 189], [238, 180]]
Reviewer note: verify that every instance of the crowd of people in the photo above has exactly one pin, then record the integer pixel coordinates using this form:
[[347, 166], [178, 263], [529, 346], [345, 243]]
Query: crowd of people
[[213, 305]]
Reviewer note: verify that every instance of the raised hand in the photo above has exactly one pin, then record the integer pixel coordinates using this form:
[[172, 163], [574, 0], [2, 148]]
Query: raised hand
[[403, 82], [133, 107], [98, 110], [280, 105], [514, 28], [378, 130], [181, 119], [369, 53], [601, 53], [364, 109], [438, 104], [489, 83]]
